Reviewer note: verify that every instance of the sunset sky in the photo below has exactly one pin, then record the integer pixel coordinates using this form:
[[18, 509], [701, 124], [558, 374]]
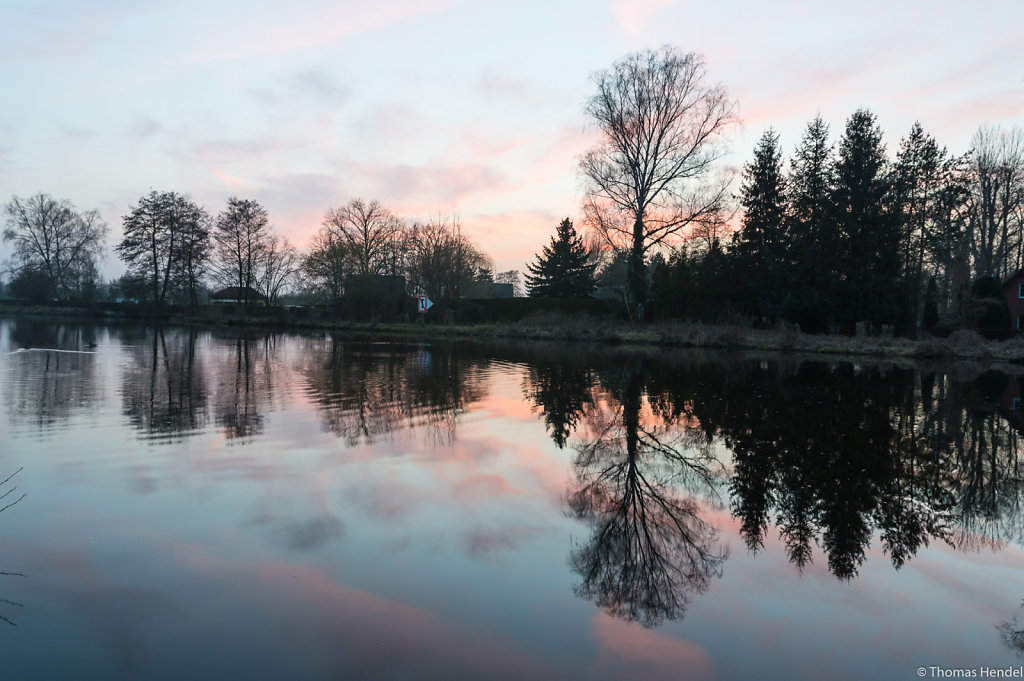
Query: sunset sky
[[440, 106]]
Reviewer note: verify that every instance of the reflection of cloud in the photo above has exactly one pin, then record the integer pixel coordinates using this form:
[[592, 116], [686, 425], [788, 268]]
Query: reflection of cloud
[[629, 650], [342, 632], [483, 486]]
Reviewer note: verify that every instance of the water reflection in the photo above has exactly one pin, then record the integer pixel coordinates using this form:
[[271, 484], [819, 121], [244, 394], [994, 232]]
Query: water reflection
[[163, 390], [52, 374], [638, 485], [828, 457], [365, 390], [245, 382], [8, 498]]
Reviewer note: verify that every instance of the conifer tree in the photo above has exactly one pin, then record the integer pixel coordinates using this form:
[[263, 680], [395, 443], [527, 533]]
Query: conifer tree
[[812, 240], [760, 243], [868, 263], [918, 183], [562, 269]]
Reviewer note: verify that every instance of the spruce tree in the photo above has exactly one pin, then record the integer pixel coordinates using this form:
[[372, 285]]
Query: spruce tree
[[917, 186], [760, 242], [812, 240], [868, 262], [562, 269]]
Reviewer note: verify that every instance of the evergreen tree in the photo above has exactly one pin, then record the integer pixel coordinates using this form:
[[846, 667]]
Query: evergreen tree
[[812, 239], [562, 269], [868, 265], [760, 243], [917, 185]]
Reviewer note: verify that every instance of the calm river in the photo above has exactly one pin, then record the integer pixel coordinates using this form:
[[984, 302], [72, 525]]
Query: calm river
[[221, 504]]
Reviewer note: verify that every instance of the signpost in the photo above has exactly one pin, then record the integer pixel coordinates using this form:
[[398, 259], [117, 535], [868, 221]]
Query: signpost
[[422, 305]]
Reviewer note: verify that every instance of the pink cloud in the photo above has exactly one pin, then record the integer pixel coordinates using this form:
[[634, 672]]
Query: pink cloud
[[633, 15], [628, 648], [291, 30]]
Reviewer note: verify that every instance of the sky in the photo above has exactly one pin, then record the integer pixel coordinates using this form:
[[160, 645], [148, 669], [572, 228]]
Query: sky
[[446, 107]]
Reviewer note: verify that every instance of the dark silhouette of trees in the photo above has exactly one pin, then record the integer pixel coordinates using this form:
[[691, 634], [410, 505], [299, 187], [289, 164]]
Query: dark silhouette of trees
[[760, 245], [55, 245], [868, 265], [996, 201], [648, 181], [326, 267], [813, 240], [441, 261], [279, 268], [241, 238], [650, 550], [371, 235], [166, 244], [564, 268], [917, 184]]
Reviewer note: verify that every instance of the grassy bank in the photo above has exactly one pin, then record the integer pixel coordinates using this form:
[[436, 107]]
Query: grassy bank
[[964, 344]]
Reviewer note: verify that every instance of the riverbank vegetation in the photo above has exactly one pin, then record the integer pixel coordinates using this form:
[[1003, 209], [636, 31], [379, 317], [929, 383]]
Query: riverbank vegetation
[[842, 239]]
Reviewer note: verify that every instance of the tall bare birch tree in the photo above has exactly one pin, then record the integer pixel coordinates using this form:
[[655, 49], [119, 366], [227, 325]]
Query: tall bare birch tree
[[650, 179]]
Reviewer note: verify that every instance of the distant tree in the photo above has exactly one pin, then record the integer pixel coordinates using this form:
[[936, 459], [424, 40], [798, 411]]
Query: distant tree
[[760, 244], [371, 235], [813, 240], [441, 261], [648, 180], [869, 264], [563, 269], [917, 186], [326, 267], [52, 237], [997, 201], [241, 238], [511, 277], [165, 243], [279, 268]]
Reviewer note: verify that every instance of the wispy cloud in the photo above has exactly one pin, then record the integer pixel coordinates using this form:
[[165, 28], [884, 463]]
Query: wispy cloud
[[633, 15], [318, 24]]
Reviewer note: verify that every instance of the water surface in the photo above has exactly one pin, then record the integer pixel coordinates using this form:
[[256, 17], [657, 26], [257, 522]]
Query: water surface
[[246, 505]]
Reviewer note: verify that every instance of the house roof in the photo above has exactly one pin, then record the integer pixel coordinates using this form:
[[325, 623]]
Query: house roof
[[237, 293]]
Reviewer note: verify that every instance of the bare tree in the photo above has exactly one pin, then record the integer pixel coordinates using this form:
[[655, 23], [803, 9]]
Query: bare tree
[[166, 245], [370, 234], [326, 266], [648, 181], [441, 260], [279, 267], [240, 238], [51, 236], [997, 200]]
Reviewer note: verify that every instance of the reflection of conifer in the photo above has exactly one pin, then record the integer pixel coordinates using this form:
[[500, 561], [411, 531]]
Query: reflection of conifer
[[562, 393], [562, 269]]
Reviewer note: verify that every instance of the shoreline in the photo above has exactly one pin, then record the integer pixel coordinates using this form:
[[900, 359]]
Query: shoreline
[[959, 345]]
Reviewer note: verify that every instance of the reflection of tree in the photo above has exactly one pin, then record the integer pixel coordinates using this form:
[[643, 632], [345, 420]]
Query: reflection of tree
[[365, 390], [562, 391], [650, 550], [164, 392], [53, 376], [1012, 634], [831, 457], [245, 384], [5, 500]]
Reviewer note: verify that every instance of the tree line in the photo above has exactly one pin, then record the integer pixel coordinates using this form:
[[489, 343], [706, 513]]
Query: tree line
[[839, 237], [363, 259]]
